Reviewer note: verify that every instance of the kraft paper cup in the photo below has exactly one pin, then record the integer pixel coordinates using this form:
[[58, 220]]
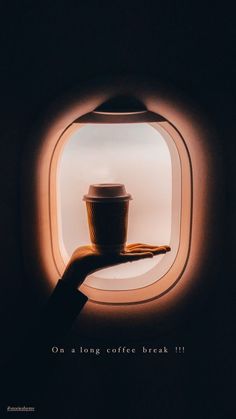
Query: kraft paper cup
[[107, 210]]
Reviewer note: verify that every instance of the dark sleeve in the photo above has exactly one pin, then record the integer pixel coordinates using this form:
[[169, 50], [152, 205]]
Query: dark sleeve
[[26, 374], [60, 311]]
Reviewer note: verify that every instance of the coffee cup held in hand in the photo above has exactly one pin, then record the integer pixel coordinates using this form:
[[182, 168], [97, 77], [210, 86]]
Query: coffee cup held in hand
[[107, 209]]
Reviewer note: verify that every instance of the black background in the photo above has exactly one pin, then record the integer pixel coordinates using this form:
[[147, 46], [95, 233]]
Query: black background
[[47, 49]]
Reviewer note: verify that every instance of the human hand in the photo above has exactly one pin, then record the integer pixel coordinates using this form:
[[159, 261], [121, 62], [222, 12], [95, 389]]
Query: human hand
[[85, 260]]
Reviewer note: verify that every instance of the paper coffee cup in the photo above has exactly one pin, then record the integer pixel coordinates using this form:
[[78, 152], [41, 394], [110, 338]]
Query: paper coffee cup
[[107, 209]]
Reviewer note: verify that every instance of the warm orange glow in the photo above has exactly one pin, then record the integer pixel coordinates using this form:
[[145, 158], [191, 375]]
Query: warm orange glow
[[189, 260], [171, 266], [140, 156]]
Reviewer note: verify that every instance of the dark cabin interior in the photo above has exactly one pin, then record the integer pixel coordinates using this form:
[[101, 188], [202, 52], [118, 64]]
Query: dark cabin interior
[[46, 51]]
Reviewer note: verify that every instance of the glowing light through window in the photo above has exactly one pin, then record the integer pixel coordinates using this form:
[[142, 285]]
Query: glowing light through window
[[136, 155]]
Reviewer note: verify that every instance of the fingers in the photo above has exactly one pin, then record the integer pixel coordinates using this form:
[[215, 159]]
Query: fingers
[[142, 253], [161, 249], [132, 245], [137, 245], [146, 247]]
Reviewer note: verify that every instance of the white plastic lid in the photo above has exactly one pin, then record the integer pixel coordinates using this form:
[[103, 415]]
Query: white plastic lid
[[107, 192]]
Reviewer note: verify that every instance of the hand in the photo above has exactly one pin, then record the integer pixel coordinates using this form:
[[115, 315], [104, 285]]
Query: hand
[[84, 261]]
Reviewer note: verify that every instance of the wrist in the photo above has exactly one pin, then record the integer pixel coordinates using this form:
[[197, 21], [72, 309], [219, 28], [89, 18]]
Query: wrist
[[73, 277]]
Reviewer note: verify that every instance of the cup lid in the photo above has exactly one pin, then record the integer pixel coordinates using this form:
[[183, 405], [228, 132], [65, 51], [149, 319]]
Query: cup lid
[[107, 192]]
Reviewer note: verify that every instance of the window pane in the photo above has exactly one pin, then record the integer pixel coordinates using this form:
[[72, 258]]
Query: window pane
[[134, 154]]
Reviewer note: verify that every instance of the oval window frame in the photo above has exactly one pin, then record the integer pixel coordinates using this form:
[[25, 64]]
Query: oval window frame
[[164, 284]]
